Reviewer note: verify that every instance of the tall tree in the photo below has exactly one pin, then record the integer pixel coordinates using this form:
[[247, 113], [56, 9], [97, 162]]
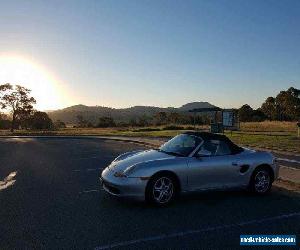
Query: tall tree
[[16, 99], [82, 123], [40, 120], [161, 117], [270, 109], [245, 113], [288, 104], [174, 117], [258, 115], [106, 122]]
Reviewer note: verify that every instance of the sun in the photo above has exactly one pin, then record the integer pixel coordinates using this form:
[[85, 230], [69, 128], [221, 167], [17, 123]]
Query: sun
[[45, 88]]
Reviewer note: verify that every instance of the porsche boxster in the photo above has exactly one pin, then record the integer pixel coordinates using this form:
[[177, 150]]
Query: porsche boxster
[[189, 162]]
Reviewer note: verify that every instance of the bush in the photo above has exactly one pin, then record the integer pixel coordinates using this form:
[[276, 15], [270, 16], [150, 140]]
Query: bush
[[190, 128], [122, 124], [173, 127], [59, 124], [5, 124], [40, 120], [106, 122]]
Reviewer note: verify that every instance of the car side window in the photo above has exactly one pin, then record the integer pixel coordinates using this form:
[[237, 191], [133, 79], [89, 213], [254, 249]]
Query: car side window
[[207, 149], [214, 148], [223, 149]]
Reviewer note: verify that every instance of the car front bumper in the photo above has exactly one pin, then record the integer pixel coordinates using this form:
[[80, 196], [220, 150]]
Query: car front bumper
[[126, 187]]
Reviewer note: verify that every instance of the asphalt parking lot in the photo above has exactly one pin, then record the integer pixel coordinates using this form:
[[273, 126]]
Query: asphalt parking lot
[[54, 201]]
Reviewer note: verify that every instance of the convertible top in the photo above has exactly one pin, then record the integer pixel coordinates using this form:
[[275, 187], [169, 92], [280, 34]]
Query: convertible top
[[206, 136]]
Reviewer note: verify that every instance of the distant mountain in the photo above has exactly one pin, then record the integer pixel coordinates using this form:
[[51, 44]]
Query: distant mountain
[[196, 105], [92, 113]]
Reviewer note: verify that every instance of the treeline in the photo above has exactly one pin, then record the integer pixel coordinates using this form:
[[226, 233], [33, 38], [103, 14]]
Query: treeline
[[284, 107], [32, 120], [16, 100], [18, 103], [160, 118], [35, 120]]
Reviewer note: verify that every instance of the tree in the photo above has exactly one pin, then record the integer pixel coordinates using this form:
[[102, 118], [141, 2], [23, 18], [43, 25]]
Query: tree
[[174, 117], [59, 124], [82, 123], [258, 115], [161, 117], [133, 122], [245, 113], [288, 104], [16, 99], [40, 120], [143, 121], [105, 122], [269, 108], [285, 106], [5, 123]]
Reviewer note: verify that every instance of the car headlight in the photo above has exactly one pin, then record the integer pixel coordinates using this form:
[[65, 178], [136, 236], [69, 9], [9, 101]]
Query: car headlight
[[119, 174], [126, 172]]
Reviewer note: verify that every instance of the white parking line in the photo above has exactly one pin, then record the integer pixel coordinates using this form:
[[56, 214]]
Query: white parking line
[[288, 160], [89, 191], [190, 232]]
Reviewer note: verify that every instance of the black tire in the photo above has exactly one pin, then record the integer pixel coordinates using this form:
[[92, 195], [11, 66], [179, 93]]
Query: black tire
[[168, 192], [261, 181]]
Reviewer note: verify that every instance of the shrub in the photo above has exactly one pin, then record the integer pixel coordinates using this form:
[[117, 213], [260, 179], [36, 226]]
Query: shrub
[[173, 127], [59, 124], [190, 128], [106, 122], [40, 120], [5, 124]]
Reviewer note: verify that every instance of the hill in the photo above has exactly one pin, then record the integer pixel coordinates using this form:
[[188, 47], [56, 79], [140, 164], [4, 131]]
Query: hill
[[92, 113]]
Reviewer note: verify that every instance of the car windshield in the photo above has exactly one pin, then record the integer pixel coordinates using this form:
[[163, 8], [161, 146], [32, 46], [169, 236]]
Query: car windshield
[[181, 145]]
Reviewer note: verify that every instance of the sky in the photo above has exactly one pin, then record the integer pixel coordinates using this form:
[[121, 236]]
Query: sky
[[157, 53]]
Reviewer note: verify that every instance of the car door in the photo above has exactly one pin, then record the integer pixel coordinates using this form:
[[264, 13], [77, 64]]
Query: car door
[[213, 167]]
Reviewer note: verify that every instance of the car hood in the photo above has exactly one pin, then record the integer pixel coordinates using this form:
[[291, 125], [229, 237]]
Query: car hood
[[138, 157]]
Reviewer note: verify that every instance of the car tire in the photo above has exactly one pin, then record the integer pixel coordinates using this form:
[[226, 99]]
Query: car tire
[[161, 190], [261, 181]]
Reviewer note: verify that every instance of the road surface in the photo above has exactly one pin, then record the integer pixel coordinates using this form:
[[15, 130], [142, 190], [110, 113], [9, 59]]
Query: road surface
[[50, 199]]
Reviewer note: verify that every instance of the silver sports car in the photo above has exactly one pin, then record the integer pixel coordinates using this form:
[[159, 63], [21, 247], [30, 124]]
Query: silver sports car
[[188, 162]]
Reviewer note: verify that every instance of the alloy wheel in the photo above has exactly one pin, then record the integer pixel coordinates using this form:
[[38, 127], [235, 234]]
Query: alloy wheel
[[163, 190], [262, 181]]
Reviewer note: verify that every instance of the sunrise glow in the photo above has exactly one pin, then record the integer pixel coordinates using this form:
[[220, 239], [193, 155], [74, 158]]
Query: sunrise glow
[[22, 71]]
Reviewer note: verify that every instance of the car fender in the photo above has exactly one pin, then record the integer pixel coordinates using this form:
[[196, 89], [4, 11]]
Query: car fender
[[177, 165]]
